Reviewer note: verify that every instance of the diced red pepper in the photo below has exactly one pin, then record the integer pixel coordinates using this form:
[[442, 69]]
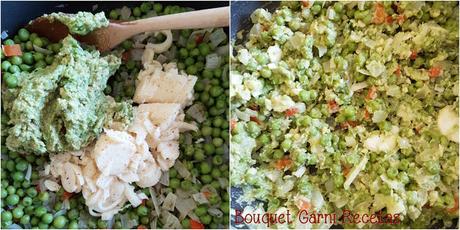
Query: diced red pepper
[[207, 194], [195, 224], [398, 71], [389, 19], [199, 39], [12, 50], [345, 170], [141, 227], [283, 163], [413, 55], [348, 124], [126, 56], [66, 195], [401, 18], [367, 115], [304, 205], [305, 3], [379, 14], [455, 208], [291, 112], [371, 93], [256, 120], [232, 124], [333, 106], [434, 72]]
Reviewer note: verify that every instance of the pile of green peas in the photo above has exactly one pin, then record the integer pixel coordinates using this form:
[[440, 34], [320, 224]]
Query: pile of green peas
[[30, 59], [24, 205]]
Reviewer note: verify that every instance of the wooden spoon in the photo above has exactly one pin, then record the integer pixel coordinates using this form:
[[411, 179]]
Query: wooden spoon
[[106, 38]]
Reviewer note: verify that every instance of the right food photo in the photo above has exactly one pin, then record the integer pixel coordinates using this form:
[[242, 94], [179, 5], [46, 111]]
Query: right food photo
[[344, 114]]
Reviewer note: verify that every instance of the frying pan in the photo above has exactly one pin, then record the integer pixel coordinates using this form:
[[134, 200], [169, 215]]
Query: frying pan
[[240, 16], [16, 14]]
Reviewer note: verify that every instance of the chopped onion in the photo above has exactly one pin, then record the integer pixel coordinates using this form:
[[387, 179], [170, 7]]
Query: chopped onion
[[65, 204], [170, 202], [169, 220], [14, 226], [215, 212], [217, 37], [223, 50], [125, 12], [29, 172], [110, 223], [183, 172], [358, 86], [124, 221], [212, 61], [223, 182], [184, 206], [153, 223], [164, 179], [200, 198], [162, 58], [59, 213], [194, 34], [154, 201], [182, 41], [4, 34], [197, 111], [41, 50], [176, 35], [188, 138], [136, 54]]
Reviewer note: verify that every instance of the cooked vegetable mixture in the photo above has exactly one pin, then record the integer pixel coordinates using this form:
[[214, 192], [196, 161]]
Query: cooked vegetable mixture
[[349, 105], [68, 116]]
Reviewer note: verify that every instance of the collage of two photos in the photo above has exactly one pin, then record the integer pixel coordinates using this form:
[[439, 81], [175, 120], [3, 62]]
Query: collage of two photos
[[229, 114]]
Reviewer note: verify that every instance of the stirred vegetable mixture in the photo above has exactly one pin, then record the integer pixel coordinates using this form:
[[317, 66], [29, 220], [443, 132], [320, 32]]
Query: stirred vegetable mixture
[[193, 193], [349, 105]]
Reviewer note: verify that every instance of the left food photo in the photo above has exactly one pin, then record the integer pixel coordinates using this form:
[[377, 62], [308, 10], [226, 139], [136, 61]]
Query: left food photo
[[114, 115]]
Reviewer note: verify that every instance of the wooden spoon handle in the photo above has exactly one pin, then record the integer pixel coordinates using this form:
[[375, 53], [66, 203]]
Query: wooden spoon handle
[[216, 17]]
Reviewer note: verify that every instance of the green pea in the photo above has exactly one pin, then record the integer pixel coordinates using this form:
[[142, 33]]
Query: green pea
[[209, 148], [25, 67], [16, 60], [32, 192], [23, 34], [199, 155], [174, 183], [206, 219], [43, 196], [146, 7], [6, 216], [14, 69], [217, 160], [21, 165], [8, 42], [218, 73], [278, 154], [127, 44], [189, 61], [49, 59], [11, 81], [205, 168], [74, 224], [114, 14], [191, 70], [200, 211], [25, 220], [157, 7], [40, 64], [194, 52], [204, 49], [18, 212], [27, 201], [6, 65], [315, 9], [206, 179], [12, 199], [191, 45], [38, 42], [137, 11], [186, 185], [142, 210]]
